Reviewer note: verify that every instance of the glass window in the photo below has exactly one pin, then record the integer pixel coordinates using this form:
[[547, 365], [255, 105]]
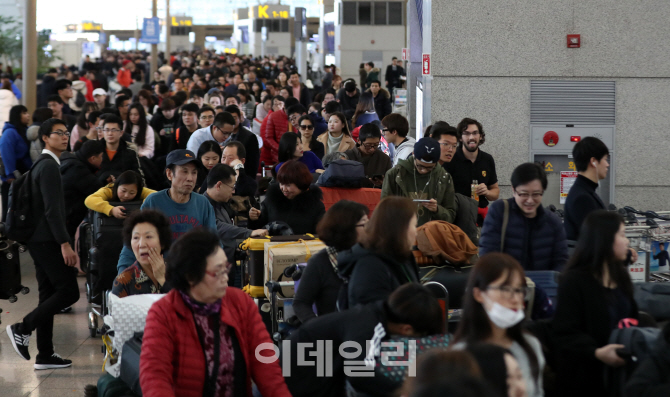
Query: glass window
[[276, 25], [395, 13], [349, 13], [284, 25], [380, 13], [364, 13]]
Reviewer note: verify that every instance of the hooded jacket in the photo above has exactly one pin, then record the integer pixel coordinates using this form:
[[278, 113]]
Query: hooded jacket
[[373, 276], [33, 135], [404, 150], [79, 181], [7, 101], [302, 213], [373, 75], [400, 181], [652, 377], [537, 243], [14, 152]]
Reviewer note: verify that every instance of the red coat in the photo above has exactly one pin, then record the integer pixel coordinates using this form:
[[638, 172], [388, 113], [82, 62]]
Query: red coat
[[172, 362], [124, 78], [89, 88], [277, 125]]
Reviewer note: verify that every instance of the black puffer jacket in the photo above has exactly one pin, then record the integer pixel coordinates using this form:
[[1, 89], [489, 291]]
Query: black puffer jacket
[[79, 182], [652, 377], [372, 276], [125, 159], [302, 213]]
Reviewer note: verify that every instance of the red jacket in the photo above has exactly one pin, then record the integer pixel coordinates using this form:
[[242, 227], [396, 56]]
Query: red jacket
[[277, 125], [124, 77], [172, 362]]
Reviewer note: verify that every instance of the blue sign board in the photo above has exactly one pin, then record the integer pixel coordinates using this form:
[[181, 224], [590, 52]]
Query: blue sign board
[[151, 31]]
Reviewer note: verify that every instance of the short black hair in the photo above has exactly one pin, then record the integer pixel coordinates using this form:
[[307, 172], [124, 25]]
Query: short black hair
[[113, 119], [241, 150], [291, 101], [55, 98], [47, 126], [376, 81], [463, 125], [94, 116], [225, 117], [279, 98], [370, 64], [91, 148], [120, 99], [296, 109], [163, 88], [333, 107], [586, 149], [442, 128], [190, 107], [337, 228], [156, 218], [187, 261], [396, 122], [219, 173], [414, 304], [62, 84], [230, 109], [294, 72], [206, 108], [197, 93], [41, 115], [528, 172], [237, 99], [369, 130]]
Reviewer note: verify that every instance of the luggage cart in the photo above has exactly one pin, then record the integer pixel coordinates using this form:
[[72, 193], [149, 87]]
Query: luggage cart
[[279, 315], [640, 240]]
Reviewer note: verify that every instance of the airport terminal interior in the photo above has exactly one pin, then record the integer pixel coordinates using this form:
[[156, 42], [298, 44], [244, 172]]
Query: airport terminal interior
[[335, 198]]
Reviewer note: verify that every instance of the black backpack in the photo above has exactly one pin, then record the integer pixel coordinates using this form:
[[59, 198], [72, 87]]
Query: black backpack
[[343, 173], [21, 223], [79, 98]]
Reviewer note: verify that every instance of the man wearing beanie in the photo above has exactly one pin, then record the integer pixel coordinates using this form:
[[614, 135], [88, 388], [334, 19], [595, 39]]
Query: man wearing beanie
[[77, 172], [420, 178]]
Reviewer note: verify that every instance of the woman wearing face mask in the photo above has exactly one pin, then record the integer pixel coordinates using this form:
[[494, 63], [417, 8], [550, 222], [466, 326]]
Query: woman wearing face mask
[[595, 292], [140, 131], [148, 234], [500, 369], [209, 154], [383, 261], [493, 310], [294, 200], [290, 148], [341, 228], [129, 186]]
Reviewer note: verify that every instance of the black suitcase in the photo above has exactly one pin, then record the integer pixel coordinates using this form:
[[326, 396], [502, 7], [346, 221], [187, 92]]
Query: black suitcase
[[130, 363], [10, 271], [104, 254], [83, 245]]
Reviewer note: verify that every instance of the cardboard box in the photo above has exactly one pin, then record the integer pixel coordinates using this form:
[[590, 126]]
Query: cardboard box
[[279, 256]]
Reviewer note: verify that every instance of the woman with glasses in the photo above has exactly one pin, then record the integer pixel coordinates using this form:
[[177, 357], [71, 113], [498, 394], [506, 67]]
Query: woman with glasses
[[595, 293], [493, 312], [310, 143], [341, 228], [291, 148], [141, 132], [533, 236], [202, 338]]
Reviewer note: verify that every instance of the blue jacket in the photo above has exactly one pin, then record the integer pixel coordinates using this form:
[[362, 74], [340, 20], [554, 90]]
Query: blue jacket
[[320, 125], [14, 152], [538, 243]]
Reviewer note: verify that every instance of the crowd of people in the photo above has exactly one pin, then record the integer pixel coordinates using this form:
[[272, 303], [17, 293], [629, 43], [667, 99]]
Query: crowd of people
[[220, 148]]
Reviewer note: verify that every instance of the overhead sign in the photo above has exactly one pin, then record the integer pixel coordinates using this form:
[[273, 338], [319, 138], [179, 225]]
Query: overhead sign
[[405, 54], [88, 27], [269, 12], [182, 21], [151, 31], [425, 64]]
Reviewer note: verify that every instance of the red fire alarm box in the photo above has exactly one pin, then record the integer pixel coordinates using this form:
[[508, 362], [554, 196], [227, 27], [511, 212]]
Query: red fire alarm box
[[426, 64], [574, 41]]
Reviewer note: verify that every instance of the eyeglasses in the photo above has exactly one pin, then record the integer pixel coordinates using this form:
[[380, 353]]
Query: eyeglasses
[[526, 195], [448, 145], [206, 117], [230, 186], [114, 130], [467, 133], [219, 274], [307, 127], [370, 146], [508, 292], [225, 133], [61, 133], [385, 130]]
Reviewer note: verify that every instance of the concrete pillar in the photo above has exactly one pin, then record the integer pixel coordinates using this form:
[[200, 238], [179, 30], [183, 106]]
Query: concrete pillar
[[168, 26], [29, 63], [154, 47]]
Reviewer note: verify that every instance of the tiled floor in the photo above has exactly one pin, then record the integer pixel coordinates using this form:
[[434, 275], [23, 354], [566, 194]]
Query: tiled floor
[[71, 340]]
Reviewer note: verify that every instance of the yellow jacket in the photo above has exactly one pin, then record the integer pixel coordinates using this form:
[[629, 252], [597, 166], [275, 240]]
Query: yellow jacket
[[99, 201]]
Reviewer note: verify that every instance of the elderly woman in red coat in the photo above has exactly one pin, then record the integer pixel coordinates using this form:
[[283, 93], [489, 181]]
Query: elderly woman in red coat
[[201, 339]]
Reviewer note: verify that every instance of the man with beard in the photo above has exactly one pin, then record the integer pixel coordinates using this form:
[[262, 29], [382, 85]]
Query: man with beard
[[472, 164]]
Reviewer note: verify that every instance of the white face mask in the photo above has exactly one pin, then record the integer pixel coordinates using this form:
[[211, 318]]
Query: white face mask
[[502, 316]]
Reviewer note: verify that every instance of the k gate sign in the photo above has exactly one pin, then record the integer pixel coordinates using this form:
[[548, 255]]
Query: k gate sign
[[425, 64]]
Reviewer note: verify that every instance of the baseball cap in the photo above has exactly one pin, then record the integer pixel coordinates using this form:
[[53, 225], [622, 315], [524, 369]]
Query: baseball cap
[[99, 91], [180, 157], [427, 150]]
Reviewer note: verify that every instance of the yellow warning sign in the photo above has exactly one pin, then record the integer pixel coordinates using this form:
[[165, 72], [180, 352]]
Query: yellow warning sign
[[548, 167], [571, 165]]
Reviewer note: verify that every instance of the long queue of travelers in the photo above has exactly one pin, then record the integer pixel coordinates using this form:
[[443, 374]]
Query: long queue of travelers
[[205, 129]]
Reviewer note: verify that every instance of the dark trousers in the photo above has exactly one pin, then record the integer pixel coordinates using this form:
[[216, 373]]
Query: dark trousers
[[58, 289], [5, 199]]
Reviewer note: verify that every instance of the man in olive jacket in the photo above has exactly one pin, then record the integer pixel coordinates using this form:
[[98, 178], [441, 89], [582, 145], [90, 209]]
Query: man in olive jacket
[[419, 178]]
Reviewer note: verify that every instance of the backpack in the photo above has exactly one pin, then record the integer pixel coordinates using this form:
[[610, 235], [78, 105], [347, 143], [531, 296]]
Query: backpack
[[343, 173], [79, 98], [20, 222]]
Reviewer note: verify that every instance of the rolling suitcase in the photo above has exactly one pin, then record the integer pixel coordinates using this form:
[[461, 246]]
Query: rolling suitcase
[[130, 363], [10, 271]]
